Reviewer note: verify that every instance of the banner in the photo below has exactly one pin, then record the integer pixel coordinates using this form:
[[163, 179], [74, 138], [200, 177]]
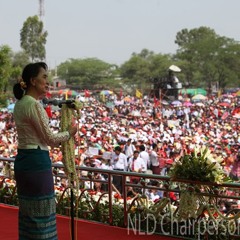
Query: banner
[[138, 94]]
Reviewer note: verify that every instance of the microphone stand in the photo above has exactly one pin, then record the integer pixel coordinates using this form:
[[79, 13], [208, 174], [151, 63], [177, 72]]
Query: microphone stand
[[72, 208]]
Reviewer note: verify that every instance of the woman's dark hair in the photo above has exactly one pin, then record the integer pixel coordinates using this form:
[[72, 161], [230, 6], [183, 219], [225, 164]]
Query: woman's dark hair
[[30, 71]]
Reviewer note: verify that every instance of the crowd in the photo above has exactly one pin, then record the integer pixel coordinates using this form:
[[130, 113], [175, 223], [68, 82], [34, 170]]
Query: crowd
[[142, 135]]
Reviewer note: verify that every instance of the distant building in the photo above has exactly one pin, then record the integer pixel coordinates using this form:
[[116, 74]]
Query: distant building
[[58, 83]]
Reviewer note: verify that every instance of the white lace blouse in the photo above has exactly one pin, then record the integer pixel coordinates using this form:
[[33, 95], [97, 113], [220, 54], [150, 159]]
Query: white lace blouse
[[32, 125]]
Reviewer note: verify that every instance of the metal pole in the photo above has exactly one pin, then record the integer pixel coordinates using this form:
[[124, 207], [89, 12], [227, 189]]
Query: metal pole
[[72, 208]]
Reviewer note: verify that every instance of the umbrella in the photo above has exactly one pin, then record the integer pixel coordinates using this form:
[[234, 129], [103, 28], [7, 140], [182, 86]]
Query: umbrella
[[72, 93], [200, 104], [176, 103], [106, 92], [69, 93], [199, 97], [227, 96], [187, 104], [164, 102], [135, 114], [174, 68], [127, 99], [224, 104]]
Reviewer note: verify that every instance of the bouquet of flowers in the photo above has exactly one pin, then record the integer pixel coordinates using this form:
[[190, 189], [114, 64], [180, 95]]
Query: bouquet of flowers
[[200, 165]]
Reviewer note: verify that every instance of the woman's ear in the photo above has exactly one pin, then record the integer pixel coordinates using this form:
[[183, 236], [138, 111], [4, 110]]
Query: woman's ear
[[33, 82]]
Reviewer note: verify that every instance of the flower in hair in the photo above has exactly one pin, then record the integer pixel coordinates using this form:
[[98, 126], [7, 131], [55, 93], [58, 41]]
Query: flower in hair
[[23, 84]]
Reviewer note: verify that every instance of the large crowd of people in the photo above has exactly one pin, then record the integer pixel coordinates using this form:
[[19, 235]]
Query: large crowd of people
[[142, 135]]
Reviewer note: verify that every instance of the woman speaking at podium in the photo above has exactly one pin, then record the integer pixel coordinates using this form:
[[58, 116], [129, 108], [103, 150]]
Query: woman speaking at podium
[[32, 167]]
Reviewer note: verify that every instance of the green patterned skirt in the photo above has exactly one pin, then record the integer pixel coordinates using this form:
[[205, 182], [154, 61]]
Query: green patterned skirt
[[35, 188]]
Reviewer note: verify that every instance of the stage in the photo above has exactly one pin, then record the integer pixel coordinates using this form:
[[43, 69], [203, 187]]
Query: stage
[[84, 230]]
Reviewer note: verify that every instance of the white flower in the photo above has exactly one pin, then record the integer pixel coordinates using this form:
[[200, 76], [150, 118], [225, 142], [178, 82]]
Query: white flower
[[129, 201], [103, 201], [57, 192], [95, 198], [210, 161], [121, 201]]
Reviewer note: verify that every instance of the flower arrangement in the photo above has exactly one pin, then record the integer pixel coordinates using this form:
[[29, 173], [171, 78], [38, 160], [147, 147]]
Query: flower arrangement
[[69, 115], [200, 165], [8, 191]]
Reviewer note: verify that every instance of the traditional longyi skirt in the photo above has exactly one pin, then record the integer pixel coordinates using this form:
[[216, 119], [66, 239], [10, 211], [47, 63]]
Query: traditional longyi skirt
[[35, 188]]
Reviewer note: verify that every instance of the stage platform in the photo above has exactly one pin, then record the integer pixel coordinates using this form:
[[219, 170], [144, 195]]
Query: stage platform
[[84, 230]]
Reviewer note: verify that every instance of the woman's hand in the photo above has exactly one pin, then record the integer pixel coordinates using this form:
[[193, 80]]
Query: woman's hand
[[72, 130]]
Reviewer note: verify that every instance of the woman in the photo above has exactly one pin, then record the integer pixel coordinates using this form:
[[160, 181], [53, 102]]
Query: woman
[[32, 167]]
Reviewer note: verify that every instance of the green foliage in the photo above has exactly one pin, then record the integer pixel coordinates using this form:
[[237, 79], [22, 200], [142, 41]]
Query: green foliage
[[88, 73], [208, 57], [20, 60], [33, 38], [5, 67], [199, 165], [138, 71]]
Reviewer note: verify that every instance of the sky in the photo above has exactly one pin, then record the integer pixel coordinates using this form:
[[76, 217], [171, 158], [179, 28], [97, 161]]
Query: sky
[[111, 30]]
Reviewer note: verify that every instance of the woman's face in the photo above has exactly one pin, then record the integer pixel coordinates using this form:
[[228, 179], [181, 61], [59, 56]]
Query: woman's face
[[40, 83]]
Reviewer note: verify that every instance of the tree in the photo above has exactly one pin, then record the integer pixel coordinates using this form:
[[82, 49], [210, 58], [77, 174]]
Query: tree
[[90, 73], [207, 57], [5, 73], [143, 68], [136, 71], [5, 67], [19, 61], [33, 38]]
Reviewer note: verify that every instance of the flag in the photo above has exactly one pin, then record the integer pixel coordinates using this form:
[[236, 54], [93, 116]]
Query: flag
[[219, 93], [86, 93], [49, 111], [156, 102], [138, 94]]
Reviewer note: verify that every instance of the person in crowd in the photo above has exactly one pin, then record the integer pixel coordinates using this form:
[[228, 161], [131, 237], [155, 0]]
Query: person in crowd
[[119, 163], [138, 165], [144, 155], [154, 159], [235, 172], [154, 194], [86, 184], [129, 148], [32, 166], [106, 165]]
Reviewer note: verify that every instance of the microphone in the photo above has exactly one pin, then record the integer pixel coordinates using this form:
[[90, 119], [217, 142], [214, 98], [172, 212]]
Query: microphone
[[58, 103]]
